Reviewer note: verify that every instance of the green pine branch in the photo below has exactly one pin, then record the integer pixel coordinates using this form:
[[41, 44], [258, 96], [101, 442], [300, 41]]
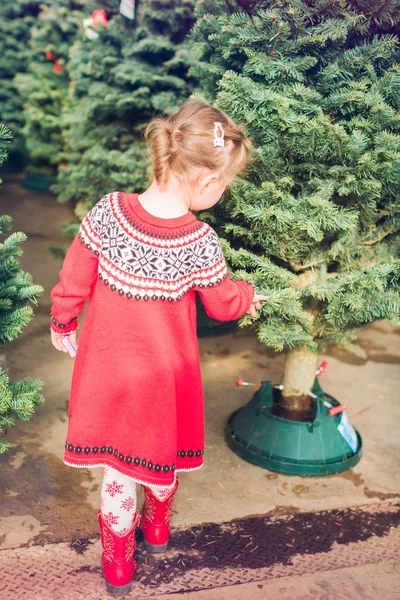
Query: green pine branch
[[316, 87]]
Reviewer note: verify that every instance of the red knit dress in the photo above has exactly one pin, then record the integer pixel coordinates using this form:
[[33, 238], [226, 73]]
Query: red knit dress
[[136, 399]]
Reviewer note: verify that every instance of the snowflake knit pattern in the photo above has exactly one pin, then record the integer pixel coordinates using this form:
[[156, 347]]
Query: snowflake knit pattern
[[118, 500], [135, 262]]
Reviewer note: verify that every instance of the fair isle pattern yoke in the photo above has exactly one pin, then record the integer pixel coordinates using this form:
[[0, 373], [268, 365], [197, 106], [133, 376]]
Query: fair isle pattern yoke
[[141, 265]]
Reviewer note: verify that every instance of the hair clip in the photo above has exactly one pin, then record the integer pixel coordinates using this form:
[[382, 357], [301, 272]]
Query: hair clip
[[218, 136]]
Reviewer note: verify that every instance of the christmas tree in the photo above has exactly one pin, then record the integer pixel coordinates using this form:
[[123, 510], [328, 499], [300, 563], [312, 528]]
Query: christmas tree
[[43, 87], [133, 70], [16, 20], [314, 222], [17, 400]]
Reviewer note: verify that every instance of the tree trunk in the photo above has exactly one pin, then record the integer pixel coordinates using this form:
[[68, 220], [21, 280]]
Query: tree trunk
[[298, 379]]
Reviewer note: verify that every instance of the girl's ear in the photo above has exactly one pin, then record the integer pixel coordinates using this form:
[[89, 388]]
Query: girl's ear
[[208, 180]]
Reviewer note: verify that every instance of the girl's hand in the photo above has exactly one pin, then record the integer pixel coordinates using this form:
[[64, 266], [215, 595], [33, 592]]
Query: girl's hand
[[256, 304], [57, 337]]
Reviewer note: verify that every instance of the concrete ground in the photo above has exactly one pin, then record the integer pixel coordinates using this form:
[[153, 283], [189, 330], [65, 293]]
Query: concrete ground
[[371, 582], [46, 501]]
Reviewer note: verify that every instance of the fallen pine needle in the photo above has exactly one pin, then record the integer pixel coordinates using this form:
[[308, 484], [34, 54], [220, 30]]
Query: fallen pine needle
[[208, 543]]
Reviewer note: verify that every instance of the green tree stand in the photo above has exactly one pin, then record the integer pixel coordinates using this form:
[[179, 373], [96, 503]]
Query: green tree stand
[[314, 447]]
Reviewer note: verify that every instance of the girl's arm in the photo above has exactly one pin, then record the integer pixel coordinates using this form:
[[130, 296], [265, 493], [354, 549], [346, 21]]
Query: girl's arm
[[78, 274], [223, 299], [227, 300]]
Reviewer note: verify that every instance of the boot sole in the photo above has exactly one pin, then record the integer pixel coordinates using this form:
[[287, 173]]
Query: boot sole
[[155, 548], [117, 590]]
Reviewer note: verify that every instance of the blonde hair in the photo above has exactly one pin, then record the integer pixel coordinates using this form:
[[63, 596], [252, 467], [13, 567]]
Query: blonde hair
[[184, 142]]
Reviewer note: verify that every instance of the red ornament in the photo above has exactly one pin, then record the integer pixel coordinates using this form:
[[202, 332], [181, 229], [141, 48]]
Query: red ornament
[[99, 17], [57, 67], [50, 56]]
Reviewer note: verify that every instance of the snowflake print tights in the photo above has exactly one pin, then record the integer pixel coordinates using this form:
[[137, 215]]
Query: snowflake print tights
[[118, 500]]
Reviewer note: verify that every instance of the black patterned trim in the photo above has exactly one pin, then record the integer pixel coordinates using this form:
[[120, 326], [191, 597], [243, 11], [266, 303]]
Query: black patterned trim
[[87, 244], [128, 459], [62, 325], [190, 453], [152, 296], [165, 296]]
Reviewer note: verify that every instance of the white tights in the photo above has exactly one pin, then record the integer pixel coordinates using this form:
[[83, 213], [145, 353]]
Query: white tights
[[118, 499]]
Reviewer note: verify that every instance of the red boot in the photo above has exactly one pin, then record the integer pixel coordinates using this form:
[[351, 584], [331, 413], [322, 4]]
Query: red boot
[[156, 519], [117, 561]]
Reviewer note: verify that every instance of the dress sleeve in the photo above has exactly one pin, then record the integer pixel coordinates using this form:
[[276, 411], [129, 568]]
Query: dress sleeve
[[223, 299], [78, 274]]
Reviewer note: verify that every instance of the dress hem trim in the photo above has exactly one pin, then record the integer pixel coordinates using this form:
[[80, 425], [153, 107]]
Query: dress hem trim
[[136, 479]]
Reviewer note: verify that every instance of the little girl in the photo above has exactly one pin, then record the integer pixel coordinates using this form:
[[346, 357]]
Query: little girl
[[136, 401]]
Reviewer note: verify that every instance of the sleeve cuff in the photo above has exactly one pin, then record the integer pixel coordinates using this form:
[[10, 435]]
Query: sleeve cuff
[[64, 328]]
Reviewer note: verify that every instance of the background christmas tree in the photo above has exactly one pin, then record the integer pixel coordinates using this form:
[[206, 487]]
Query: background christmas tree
[[17, 17], [314, 223], [43, 87], [17, 400], [133, 71]]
